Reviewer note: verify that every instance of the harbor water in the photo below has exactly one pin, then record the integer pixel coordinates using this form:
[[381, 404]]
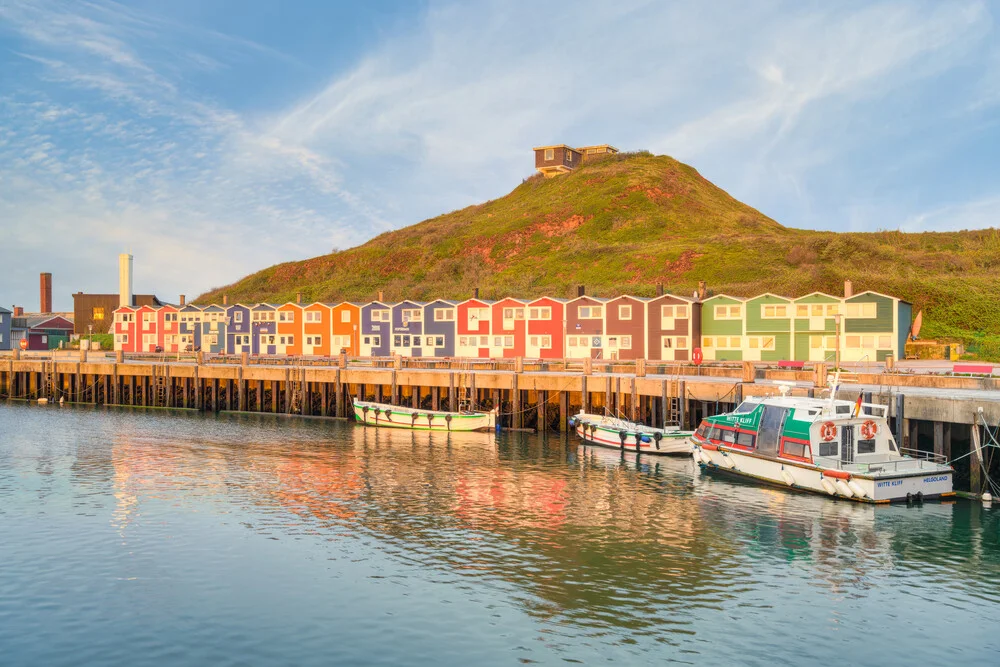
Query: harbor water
[[132, 537]]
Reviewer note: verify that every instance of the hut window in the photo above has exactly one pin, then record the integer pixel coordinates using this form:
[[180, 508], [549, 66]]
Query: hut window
[[884, 342], [546, 342], [444, 314], [816, 342], [345, 316], [508, 341], [832, 309], [571, 341], [550, 154], [773, 311], [854, 342], [802, 310], [483, 341], [569, 156], [416, 341], [668, 342], [867, 310], [534, 341], [439, 341], [508, 313], [706, 342], [376, 341], [545, 313], [463, 341], [624, 312], [237, 316], [317, 340], [831, 342], [667, 311], [497, 341], [868, 342], [681, 341], [626, 342]]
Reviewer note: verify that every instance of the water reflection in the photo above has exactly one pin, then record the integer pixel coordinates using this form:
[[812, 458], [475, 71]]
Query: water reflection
[[589, 543]]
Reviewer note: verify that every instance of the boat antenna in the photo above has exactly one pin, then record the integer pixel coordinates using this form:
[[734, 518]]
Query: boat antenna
[[834, 383]]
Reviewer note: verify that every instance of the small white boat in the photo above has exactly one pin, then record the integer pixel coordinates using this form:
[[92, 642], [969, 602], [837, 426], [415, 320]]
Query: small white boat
[[395, 416], [828, 446], [605, 431]]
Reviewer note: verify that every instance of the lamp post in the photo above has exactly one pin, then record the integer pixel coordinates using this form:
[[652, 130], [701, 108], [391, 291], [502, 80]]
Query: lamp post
[[837, 320], [90, 331]]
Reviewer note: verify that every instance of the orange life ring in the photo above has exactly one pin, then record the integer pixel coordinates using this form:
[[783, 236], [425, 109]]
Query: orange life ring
[[828, 431], [869, 429]]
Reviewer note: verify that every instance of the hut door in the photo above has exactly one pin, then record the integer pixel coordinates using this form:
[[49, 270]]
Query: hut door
[[847, 444]]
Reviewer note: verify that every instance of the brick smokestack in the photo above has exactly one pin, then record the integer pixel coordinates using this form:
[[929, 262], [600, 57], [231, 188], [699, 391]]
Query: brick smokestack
[[659, 289], [298, 297], [475, 293], [45, 293], [848, 289], [183, 300], [18, 311], [381, 295], [225, 299]]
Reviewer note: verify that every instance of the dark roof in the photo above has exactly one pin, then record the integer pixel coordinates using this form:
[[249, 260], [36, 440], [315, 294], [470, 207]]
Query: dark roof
[[36, 322]]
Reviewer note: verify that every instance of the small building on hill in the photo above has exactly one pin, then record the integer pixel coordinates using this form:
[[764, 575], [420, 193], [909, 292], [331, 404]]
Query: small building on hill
[[561, 159]]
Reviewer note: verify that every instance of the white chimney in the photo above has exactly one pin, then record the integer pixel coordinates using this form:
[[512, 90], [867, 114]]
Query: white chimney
[[124, 280]]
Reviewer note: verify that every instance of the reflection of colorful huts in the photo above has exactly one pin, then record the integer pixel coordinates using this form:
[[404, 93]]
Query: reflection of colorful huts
[[408, 329], [674, 328], [345, 327], [263, 328], [815, 326], [768, 328], [289, 319], [168, 328], [875, 326], [473, 328], [5, 323], [545, 328], [316, 329], [625, 327], [722, 328], [189, 327], [376, 329], [585, 328], [239, 331], [507, 336], [439, 328], [213, 329]]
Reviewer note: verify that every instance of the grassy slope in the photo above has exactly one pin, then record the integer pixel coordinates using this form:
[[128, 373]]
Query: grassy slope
[[623, 224]]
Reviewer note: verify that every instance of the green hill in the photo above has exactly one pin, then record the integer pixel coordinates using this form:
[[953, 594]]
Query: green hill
[[626, 222]]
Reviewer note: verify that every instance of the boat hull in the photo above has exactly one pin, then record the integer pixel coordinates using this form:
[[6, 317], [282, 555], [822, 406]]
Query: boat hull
[[901, 487], [394, 416], [644, 442]]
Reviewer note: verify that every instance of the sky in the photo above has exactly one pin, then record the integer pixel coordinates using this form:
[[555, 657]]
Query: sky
[[213, 139]]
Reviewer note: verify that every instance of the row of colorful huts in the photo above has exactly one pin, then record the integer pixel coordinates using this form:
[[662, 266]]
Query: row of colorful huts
[[767, 327]]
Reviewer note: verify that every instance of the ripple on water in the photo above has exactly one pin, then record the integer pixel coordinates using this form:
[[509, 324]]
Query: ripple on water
[[183, 539]]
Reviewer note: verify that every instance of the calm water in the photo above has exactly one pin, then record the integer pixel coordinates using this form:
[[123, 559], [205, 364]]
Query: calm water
[[132, 538]]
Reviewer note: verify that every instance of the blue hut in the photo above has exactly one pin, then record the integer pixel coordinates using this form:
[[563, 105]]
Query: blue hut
[[190, 328], [238, 331], [440, 332], [376, 329], [213, 329], [263, 329], [5, 318], [408, 328]]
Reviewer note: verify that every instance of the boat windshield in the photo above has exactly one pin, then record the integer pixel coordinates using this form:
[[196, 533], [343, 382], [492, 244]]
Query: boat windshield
[[745, 407]]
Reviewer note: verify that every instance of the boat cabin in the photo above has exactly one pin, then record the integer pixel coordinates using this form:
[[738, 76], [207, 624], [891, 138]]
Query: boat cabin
[[837, 434]]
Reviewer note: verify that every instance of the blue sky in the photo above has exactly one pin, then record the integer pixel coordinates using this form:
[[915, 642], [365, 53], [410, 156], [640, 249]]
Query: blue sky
[[216, 138]]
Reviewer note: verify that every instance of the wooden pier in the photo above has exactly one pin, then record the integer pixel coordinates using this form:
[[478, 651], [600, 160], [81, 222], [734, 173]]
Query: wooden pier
[[930, 412]]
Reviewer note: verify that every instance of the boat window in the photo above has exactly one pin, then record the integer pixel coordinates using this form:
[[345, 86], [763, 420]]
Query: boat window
[[716, 434], [866, 446], [745, 407], [843, 409], [703, 430], [771, 425], [892, 445], [799, 449], [745, 440], [829, 448], [729, 436]]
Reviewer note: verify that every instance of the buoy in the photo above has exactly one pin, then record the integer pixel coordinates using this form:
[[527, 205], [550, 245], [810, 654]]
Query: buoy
[[728, 461], [622, 435], [828, 486], [62, 399], [987, 498], [857, 489], [843, 489], [787, 476], [656, 438]]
